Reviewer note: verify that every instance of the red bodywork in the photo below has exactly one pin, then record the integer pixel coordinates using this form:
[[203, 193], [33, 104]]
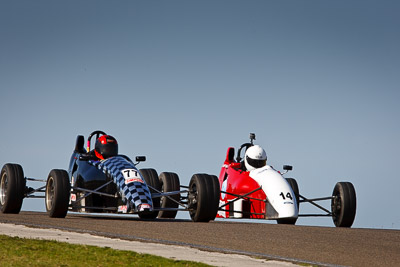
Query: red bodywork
[[239, 183]]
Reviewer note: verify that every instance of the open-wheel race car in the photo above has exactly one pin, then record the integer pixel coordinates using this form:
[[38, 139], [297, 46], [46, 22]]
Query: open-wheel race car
[[101, 180], [252, 189]]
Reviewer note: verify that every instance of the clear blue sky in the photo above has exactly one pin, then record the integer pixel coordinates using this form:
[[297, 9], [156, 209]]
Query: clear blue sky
[[181, 81]]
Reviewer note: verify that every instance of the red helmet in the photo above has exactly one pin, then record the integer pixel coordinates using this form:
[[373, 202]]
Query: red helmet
[[106, 146]]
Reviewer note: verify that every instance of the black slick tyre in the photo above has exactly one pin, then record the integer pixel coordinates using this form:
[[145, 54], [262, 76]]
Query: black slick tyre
[[295, 187], [344, 204], [150, 176], [12, 188], [169, 182], [58, 189], [204, 194]]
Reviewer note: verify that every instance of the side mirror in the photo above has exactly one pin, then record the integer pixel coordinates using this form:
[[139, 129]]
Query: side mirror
[[140, 158], [287, 167]]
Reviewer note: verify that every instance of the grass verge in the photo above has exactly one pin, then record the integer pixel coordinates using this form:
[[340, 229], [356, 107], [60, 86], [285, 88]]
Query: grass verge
[[15, 251]]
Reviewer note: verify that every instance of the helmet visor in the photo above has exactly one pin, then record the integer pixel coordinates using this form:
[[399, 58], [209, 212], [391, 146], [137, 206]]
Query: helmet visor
[[256, 163], [109, 150]]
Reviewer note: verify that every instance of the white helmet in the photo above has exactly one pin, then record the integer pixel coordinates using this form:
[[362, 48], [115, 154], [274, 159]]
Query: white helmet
[[255, 158]]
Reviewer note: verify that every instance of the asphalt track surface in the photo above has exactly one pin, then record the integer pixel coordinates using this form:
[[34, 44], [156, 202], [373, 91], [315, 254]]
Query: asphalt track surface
[[299, 244]]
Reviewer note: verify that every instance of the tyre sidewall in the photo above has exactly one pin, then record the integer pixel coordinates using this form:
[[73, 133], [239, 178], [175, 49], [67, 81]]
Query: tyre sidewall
[[15, 188], [169, 182], [208, 193], [62, 188], [345, 193]]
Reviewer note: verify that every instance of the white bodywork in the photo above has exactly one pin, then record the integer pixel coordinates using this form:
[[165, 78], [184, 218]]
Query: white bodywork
[[281, 200]]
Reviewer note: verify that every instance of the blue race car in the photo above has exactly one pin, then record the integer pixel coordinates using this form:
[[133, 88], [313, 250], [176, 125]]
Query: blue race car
[[101, 180]]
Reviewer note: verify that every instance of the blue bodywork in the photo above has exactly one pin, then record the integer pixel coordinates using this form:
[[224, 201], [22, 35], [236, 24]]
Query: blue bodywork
[[128, 183]]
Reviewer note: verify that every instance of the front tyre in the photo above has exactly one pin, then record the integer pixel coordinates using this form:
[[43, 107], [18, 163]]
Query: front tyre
[[57, 194], [169, 182], [344, 204], [12, 187], [204, 194]]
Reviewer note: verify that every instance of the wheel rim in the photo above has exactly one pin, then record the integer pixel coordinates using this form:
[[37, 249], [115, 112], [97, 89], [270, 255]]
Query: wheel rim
[[193, 198], [336, 207], [50, 193], [162, 199], [3, 188]]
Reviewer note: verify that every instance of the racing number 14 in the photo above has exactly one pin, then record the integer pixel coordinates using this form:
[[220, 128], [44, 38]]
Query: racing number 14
[[288, 195]]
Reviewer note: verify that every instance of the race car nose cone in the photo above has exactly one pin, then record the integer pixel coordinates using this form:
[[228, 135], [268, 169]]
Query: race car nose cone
[[145, 208]]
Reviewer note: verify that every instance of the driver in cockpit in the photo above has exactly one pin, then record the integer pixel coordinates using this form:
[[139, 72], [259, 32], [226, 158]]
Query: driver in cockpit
[[106, 147], [255, 158]]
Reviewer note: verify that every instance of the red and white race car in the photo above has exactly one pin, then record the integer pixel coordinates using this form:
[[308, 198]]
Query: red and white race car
[[263, 193]]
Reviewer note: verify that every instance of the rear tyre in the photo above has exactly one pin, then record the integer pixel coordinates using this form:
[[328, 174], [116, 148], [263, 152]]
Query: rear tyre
[[58, 190], [150, 176], [204, 194], [169, 182], [12, 187], [344, 204]]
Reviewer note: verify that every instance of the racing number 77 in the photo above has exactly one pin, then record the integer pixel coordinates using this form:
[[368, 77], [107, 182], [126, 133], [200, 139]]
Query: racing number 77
[[128, 173]]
